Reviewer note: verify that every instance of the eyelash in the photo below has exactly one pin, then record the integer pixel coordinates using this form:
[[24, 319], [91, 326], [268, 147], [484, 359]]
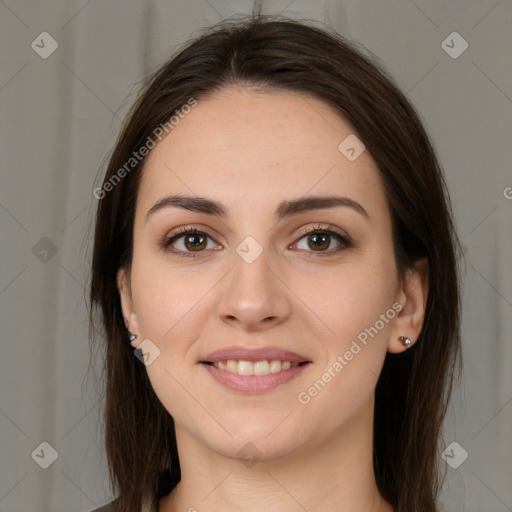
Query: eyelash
[[344, 240]]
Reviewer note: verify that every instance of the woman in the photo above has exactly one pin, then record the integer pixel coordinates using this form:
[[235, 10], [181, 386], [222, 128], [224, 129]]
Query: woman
[[274, 243]]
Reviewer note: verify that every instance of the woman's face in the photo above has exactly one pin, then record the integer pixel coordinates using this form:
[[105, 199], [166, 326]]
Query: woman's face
[[253, 284]]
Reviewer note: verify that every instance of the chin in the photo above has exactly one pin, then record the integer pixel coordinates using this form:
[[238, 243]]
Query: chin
[[250, 453], [254, 444]]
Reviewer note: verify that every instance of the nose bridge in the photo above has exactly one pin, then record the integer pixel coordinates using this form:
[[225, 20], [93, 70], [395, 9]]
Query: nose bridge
[[253, 295]]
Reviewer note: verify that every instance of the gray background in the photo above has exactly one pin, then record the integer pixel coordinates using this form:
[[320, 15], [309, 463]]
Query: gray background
[[60, 117]]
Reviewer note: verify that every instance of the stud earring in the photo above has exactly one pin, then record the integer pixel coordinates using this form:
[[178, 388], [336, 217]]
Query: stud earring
[[406, 341], [132, 337]]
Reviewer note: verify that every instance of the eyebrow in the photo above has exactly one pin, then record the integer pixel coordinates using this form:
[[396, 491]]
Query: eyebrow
[[285, 209]]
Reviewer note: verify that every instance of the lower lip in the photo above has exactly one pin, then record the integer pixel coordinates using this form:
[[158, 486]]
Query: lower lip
[[254, 383]]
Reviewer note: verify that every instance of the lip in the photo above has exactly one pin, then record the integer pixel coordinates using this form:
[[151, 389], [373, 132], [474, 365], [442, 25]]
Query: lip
[[251, 384], [253, 354]]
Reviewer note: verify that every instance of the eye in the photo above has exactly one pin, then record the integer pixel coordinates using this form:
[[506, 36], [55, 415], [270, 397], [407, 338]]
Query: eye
[[319, 239], [187, 241], [190, 242]]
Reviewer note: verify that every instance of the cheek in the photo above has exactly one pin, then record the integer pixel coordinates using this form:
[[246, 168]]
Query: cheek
[[344, 382], [167, 301], [170, 312], [350, 299]]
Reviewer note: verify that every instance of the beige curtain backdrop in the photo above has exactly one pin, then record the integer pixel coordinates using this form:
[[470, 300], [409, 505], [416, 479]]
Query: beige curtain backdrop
[[70, 70]]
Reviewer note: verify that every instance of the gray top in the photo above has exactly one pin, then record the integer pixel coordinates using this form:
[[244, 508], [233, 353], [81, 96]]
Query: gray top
[[105, 508], [109, 507], [164, 487]]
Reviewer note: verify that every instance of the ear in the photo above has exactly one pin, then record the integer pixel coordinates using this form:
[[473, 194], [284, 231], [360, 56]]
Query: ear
[[412, 296], [130, 317]]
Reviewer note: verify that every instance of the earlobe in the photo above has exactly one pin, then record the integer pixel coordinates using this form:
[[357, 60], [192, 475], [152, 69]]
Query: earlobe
[[412, 296], [124, 289]]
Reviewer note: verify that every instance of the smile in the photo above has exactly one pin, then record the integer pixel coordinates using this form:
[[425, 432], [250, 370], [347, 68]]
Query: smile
[[263, 367], [254, 377]]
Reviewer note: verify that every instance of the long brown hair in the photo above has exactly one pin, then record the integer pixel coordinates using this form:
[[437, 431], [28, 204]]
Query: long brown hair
[[414, 388]]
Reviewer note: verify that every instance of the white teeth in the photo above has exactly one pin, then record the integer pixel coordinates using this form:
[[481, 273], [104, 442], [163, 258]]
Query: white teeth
[[275, 366], [245, 368], [232, 366], [263, 367]]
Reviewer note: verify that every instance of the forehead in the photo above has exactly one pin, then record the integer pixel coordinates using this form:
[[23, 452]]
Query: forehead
[[251, 148]]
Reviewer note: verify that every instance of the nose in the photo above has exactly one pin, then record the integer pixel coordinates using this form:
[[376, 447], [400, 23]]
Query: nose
[[254, 297]]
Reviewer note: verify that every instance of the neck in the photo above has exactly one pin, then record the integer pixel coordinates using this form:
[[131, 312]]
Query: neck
[[335, 474]]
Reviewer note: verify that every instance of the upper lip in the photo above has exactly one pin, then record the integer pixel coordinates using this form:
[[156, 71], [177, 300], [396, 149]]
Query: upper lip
[[253, 354]]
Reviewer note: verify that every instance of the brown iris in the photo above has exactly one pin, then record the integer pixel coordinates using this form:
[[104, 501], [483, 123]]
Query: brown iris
[[324, 241], [193, 241]]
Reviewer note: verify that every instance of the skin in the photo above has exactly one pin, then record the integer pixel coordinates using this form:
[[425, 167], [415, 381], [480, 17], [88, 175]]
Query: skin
[[251, 150]]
